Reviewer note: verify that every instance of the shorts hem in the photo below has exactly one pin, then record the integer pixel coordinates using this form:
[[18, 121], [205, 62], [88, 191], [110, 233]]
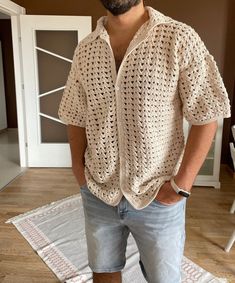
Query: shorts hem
[[107, 270]]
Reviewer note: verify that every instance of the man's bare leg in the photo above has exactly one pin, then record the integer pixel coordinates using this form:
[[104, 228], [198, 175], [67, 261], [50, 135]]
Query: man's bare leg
[[114, 277]]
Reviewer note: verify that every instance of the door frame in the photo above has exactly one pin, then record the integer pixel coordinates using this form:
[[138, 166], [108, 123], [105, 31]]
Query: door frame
[[14, 11]]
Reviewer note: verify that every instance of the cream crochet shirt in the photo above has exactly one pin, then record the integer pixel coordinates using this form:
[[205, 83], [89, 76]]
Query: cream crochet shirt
[[134, 118]]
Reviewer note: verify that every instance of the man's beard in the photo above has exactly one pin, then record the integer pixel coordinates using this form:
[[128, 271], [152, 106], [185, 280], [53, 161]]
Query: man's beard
[[118, 7]]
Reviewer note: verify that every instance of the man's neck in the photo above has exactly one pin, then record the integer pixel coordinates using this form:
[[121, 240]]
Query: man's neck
[[128, 22]]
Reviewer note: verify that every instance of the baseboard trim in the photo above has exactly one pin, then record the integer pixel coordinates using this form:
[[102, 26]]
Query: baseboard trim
[[3, 131]]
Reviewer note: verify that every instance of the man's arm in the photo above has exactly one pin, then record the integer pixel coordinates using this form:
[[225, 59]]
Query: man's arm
[[78, 144], [196, 149]]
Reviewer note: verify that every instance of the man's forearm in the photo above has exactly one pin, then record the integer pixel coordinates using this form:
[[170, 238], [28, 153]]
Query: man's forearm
[[78, 144], [197, 147]]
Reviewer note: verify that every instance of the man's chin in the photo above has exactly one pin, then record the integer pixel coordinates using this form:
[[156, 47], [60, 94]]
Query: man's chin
[[116, 8], [118, 13]]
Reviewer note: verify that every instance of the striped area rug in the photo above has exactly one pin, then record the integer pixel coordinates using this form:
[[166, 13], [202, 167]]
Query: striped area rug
[[56, 232]]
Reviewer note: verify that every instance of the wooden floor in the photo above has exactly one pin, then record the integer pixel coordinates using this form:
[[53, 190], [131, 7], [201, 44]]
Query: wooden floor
[[209, 224]]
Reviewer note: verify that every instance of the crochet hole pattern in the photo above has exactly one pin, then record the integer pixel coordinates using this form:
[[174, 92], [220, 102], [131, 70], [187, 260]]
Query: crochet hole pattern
[[134, 118]]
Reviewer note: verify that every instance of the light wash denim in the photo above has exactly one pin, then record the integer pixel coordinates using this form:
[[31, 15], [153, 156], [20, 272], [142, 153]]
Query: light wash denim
[[158, 229]]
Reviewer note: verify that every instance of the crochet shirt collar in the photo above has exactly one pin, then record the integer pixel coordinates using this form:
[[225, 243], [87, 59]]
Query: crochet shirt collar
[[155, 18]]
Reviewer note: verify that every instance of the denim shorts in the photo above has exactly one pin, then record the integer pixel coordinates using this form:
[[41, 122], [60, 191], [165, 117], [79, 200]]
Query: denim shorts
[[158, 229]]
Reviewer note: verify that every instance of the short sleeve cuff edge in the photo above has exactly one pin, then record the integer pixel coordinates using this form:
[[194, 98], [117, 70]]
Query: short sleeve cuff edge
[[209, 120], [68, 122]]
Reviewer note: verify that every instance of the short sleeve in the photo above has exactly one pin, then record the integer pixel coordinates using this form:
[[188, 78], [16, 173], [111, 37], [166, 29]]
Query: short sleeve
[[72, 108], [201, 87]]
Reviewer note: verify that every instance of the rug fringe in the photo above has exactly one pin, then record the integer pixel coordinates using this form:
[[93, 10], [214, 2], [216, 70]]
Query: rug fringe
[[37, 210]]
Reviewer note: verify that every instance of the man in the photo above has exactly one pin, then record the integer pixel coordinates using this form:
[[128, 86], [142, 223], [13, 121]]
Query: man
[[132, 80]]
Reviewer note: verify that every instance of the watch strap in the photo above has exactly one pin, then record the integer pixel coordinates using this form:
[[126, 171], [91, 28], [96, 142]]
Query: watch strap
[[178, 190]]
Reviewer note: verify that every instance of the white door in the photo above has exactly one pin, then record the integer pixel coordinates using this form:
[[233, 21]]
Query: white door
[[48, 43]]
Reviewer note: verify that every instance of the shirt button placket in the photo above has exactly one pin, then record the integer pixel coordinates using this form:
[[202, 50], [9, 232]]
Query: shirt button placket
[[120, 135]]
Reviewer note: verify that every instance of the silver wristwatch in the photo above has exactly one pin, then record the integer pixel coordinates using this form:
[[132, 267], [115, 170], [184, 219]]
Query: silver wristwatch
[[178, 190]]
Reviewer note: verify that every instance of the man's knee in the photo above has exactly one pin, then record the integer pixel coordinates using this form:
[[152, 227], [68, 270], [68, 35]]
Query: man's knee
[[114, 277]]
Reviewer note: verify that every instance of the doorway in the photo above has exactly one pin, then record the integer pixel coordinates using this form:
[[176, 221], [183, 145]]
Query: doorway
[[9, 143], [37, 42]]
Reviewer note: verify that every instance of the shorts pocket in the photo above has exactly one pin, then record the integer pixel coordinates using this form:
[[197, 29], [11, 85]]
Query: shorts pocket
[[158, 203]]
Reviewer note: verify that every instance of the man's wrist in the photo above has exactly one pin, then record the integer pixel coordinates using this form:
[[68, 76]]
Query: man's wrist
[[183, 182]]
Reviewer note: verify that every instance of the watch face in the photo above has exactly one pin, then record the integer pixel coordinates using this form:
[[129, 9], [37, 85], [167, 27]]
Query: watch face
[[184, 194]]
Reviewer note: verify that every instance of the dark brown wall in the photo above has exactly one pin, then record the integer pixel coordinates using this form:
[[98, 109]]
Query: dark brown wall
[[229, 80], [8, 67], [212, 19], [208, 18], [61, 7]]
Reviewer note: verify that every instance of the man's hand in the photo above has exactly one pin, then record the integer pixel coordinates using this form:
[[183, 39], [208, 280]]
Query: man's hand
[[167, 195]]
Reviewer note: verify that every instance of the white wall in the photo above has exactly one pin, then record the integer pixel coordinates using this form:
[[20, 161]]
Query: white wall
[[3, 116]]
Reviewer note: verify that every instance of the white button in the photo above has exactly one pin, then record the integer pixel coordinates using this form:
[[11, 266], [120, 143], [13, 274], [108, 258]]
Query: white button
[[117, 88]]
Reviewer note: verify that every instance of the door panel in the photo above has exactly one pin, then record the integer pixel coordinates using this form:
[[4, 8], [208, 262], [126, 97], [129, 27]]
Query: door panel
[[48, 44]]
